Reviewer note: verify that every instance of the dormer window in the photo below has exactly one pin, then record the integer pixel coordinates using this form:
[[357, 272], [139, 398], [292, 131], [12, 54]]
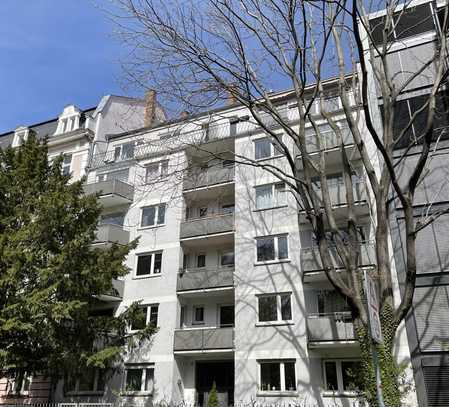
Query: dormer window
[[20, 136], [69, 120]]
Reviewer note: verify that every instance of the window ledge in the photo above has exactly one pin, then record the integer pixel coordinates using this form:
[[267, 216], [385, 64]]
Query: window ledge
[[277, 393], [273, 157], [270, 208], [270, 262], [330, 393], [147, 276], [136, 393], [275, 323], [150, 227], [84, 393]]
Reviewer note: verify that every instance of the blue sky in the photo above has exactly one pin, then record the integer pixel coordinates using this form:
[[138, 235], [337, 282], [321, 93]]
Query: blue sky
[[54, 53]]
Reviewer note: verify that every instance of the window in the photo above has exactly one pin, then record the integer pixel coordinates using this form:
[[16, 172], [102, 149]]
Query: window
[[265, 148], [156, 170], [149, 264], [329, 302], [227, 209], [277, 375], [227, 259], [270, 196], [66, 164], [275, 307], [139, 378], [153, 215], [272, 248], [198, 315], [203, 212], [124, 151], [148, 316], [121, 175], [20, 384], [117, 218], [201, 260], [342, 375], [89, 381]]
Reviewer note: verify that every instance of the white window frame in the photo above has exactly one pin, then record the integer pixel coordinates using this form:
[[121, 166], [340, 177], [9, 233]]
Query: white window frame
[[224, 253], [275, 202], [95, 390], [144, 367], [151, 271], [162, 170], [196, 260], [274, 153], [147, 308], [194, 321], [281, 363], [276, 249], [120, 155], [13, 389], [340, 384], [20, 136], [104, 176], [67, 165], [278, 319], [156, 215]]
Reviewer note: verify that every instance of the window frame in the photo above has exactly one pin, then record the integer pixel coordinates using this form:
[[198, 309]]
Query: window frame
[[66, 166], [274, 198], [144, 367], [153, 260], [120, 148], [339, 371], [276, 249], [148, 310], [194, 320], [282, 378], [156, 215], [274, 152], [12, 385], [279, 320], [95, 390], [162, 170]]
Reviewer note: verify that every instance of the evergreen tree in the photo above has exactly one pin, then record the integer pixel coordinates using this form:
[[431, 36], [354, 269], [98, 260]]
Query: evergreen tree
[[51, 278], [213, 397]]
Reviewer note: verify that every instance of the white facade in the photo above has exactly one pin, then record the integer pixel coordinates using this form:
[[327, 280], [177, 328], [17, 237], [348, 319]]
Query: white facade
[[267, 327]]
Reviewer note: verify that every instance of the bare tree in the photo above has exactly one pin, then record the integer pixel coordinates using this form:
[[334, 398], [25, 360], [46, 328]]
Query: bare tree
[[198, 54]]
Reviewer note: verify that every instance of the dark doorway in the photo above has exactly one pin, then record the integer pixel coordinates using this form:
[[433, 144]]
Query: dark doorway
[[222, 373], [227, 315]]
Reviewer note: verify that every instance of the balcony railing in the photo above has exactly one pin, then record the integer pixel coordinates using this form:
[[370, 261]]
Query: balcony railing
[[334, 327], [109, 233], [114, 187], [328, 141], [337, 192], [202, 278], [204, 339], [207, 226], [212, 176], [311, 259]]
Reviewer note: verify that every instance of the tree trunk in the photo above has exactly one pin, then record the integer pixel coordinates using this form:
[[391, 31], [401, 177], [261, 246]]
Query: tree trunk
[[390, 371]]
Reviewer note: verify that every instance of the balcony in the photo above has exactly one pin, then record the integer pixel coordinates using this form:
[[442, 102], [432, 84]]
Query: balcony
[[203, 279], [111, 192], [210, 225], [330, 330], [109, 233], [312, 267], [328, 141], [207, 178], [203, 340]]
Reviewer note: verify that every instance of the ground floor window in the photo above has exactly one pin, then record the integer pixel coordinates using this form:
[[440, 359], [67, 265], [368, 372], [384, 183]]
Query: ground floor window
[[277, 375], [139, 378], [342, 375], [19, 384], [89, 381]]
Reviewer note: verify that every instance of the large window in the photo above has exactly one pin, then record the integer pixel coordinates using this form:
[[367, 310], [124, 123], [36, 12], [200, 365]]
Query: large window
[[270, 196], [89, 381], [148, 316], [116, 218], [266, 147], [275, 307], [342, 375], [156, 170], [153, 215], [271, 248], [149, 264], [277, 375], [124, 151], [139, 378]]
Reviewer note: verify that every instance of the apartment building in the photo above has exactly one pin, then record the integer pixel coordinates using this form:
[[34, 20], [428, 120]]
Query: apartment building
[[76, 134], [224, 268], [413, 42]]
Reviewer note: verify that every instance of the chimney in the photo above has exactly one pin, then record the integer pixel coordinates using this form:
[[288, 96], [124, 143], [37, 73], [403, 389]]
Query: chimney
[[184, 115], [150, 108]]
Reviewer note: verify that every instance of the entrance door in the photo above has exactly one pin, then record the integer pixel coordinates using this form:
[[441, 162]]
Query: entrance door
[[226, 315], [222, 373]]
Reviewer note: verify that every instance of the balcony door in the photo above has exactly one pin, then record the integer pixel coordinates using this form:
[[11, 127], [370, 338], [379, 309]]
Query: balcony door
[[226, 315]]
